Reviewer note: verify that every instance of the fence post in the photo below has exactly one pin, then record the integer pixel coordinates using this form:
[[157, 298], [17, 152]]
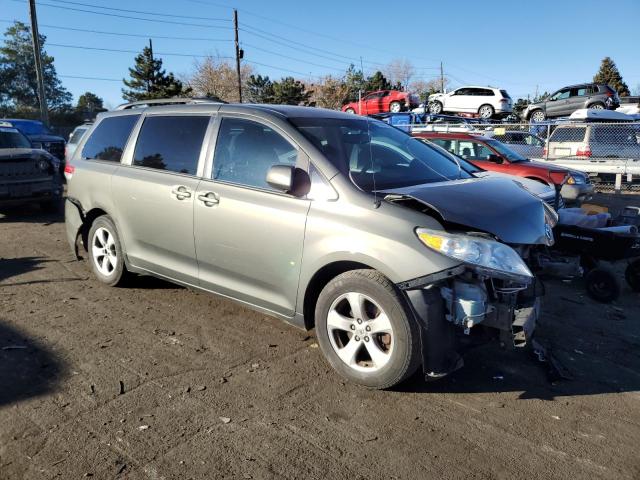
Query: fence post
[[618, 185]]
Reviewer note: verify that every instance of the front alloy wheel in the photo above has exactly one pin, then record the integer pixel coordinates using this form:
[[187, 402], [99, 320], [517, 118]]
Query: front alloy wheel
[[395, 107], [538, 116], [360, 332], [366, 330]]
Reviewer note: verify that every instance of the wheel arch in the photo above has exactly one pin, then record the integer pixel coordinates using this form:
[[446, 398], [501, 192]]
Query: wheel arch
[[538, 179], [319, 280]]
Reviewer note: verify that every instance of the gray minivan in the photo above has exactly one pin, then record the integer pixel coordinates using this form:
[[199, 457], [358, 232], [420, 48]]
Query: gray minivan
[[389, 249]]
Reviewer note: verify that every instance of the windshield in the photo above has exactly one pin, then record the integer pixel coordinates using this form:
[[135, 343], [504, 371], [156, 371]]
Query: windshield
[[506, 152], [30, 127], [12, 138], [375, 155]]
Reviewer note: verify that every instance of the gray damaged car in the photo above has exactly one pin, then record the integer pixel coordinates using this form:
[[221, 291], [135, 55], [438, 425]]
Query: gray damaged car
[[396, 255]]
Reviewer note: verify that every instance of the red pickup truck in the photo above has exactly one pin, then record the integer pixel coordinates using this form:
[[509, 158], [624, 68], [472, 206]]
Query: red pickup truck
[[490, 154]]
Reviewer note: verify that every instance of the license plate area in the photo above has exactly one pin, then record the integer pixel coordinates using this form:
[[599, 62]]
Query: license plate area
[[19, 190]]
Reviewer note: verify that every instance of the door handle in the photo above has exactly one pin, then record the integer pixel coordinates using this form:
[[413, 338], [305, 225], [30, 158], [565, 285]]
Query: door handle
[[181, 192], [209, 198]]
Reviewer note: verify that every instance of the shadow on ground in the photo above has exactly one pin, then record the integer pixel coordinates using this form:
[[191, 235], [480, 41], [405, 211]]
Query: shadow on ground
[[31, 213], [27, 368]]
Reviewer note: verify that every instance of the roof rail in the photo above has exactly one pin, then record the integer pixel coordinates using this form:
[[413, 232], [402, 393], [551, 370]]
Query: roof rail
[[167, 101]]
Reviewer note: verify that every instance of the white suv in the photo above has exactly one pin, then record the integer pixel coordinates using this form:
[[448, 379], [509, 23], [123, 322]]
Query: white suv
[[485, 101]]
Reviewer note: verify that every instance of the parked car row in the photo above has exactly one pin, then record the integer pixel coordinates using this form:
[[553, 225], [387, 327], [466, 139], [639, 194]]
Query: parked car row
[[39, 136]]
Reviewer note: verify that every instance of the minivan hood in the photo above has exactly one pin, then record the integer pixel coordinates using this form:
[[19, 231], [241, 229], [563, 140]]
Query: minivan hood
[[498, 206]]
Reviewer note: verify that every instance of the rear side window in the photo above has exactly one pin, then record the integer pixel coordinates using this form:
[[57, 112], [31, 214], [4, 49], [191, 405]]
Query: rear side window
[[570, 134], [504, 94], [109, 138], [77, 135], [614, 135], [171, 143]]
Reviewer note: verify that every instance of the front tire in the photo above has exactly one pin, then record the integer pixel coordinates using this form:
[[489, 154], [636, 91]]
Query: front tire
[[366, 331], [537, 116], [436, 108], [105, 252], [350, 110], [395, 107], [602, 285], [486, 111]]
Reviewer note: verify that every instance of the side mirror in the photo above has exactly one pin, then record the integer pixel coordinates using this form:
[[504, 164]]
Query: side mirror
[[495, 158], [289, 179]]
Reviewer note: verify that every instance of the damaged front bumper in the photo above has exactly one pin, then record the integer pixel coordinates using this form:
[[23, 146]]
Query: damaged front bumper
[[458, 308]]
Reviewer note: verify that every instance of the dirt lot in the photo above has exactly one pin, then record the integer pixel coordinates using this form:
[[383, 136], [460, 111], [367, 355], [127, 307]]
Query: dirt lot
[[156, 381]]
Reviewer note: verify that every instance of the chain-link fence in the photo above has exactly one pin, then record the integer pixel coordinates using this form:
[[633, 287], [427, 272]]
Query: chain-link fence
[[608, 152]]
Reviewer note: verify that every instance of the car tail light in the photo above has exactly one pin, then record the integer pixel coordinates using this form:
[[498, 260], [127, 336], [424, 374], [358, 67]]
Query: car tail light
[[68, 171], [544, 152], [584, 151]]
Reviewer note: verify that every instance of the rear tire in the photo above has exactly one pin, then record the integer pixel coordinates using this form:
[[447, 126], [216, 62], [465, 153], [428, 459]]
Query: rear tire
[[486, 111], [632, 275], [602, 285], [366, 331], [596, 106], [105, 252]]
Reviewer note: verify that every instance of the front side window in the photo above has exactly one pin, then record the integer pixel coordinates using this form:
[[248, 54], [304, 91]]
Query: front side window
[[171, 143], [108, 139], [561, 95], [376, 156], [246, 150], [473, 150]]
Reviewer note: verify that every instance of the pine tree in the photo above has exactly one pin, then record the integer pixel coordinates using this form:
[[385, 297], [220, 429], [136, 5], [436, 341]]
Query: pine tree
[[149, 80], [90, 103], [18, 85], [289, 91], [377, 81], [610, 75], [260, 89]]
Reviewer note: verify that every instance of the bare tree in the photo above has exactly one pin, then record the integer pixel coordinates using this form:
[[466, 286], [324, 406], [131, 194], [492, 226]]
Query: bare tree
[[216, 77], [425, 88], [400, 71], [330, 92]]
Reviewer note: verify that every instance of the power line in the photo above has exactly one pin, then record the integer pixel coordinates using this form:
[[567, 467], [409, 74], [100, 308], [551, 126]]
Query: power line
[[199, 39], [143, 12], [128, 17], [92, 78], [291, 58], [167, 54], [277, 68]]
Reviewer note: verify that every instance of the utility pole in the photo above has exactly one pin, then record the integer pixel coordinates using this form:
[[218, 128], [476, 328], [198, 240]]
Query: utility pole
[[441, 78], [151, 53], [239, 54], [35, 35]]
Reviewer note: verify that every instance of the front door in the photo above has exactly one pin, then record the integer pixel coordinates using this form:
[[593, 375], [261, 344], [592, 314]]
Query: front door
[[557, 104], [249, 237], [155, 195]]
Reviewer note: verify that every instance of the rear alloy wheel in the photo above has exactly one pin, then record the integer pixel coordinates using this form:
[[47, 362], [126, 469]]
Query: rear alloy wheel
[[395, 107], [602, 285], [538, 116], [365, 330], [105, 252], [435, 108], [596, 106], [486, 112], [350, 110], [632, 275]]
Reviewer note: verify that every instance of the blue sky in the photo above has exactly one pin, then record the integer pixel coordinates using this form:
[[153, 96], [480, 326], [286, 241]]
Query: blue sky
[[508, 44]]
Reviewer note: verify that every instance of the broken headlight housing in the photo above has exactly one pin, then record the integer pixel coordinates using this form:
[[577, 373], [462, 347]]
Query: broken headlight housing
[[482, 254]]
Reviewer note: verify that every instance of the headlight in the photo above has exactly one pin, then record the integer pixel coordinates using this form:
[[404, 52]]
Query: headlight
[[495, 258], [576, 180]]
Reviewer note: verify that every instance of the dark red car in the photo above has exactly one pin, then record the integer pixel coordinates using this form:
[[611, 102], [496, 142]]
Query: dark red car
[[490, 154], [382, 101]]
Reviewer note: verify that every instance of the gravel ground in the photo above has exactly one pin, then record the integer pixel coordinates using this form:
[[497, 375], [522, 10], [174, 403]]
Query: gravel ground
[[157, 381]]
